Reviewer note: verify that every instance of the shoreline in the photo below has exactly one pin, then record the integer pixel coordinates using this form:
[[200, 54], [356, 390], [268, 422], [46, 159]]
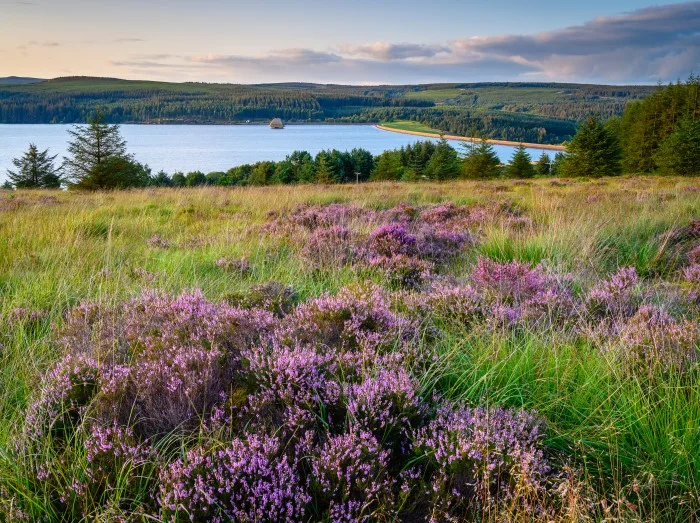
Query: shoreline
[[546, 146]]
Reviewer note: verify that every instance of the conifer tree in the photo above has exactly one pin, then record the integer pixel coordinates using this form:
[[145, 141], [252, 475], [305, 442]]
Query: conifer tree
[[520, 164], [480, 160], [35, 170], [544, 165], [680, 152], [92, 145], [593, 151], [443, 163]]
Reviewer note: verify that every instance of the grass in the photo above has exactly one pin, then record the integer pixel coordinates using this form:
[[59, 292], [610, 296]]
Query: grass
[[631, 436], [408, 125]]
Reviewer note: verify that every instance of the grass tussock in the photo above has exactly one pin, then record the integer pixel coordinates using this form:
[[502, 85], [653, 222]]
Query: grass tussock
[[490, 351]]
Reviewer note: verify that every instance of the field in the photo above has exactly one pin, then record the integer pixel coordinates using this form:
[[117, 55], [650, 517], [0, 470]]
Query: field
[[493, 351]]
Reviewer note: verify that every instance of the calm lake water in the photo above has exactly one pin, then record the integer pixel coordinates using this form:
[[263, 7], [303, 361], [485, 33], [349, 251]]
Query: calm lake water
[[217, 147]]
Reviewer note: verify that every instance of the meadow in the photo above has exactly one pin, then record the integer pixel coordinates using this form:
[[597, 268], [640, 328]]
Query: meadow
[[500, 350]]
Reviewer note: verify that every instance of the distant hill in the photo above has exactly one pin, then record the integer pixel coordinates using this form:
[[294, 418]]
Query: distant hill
[[527, 112], [18, 80]]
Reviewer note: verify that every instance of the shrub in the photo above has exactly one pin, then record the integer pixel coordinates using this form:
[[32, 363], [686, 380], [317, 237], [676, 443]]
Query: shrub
[[655, 338], [350, 480], [329, 247], [615, 297], [403, 271], [249, 480], [479, 456]]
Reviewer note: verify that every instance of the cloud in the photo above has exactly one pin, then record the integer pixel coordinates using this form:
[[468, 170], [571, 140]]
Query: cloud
[[647, 45], [282, 57], [387, 51], [644, 45], [129, 40]]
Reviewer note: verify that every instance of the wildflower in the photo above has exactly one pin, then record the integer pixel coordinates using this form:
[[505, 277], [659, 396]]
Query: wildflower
[[247, 480], [350, 480]]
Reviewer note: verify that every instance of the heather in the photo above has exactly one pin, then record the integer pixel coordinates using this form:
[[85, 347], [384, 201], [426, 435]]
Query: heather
[[433, 352]]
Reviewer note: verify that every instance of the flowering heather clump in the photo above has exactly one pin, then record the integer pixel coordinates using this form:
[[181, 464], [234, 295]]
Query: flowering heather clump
[[461, 303], [479, 456], [63, 398], [350, 481], [615, 297], [655, 338], [386, 405], [27, 317], [439, 244], [240, 265], [165, 361], [294, 375], [329, 246], [392, 239], [403, 271], [249, 480], [312, 217], [351, 320], [116, 460], [271, 296], [518, 292], [157, 242], [692, 273], [694, 255]]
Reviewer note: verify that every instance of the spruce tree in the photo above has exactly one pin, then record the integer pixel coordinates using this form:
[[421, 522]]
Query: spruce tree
[[92, 145], [680, 152], [443, 163], [35, 170], [593, 151], [480, 160], [544, 165], [557, 166], [521, 164]]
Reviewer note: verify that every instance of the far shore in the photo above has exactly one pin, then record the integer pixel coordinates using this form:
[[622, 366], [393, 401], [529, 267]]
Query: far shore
[[549, 147]]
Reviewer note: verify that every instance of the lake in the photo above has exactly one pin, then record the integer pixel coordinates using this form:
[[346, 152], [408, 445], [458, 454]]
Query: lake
[[217, 147]]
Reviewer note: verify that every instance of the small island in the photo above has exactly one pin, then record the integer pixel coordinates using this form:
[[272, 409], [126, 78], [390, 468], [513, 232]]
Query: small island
[[276, 123]]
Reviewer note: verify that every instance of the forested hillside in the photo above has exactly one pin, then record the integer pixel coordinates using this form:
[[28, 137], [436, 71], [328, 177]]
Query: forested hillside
[[545, 113]]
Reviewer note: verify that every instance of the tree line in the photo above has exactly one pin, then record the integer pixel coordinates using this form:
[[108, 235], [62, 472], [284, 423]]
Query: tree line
[[658, 134]]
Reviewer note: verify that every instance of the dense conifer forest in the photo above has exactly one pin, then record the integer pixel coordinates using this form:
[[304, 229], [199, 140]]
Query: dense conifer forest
[[530, 112]]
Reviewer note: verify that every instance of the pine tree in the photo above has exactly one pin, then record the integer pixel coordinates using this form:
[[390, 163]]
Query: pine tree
[[443, 163], [593, 151], [544, 165], [557, 167], [520, 164], [91, 146], [680, 152], [35, 170], [480, 161]]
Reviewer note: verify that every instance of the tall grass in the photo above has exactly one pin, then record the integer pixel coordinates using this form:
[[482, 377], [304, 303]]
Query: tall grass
[[632, 436]]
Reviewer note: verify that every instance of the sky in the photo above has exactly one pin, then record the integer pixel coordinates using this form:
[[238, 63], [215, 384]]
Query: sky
[[352, 42]]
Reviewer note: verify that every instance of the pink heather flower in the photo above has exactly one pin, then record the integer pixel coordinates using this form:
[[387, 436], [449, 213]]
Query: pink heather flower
[[403, 271], [655, 338], [64, 395], [157, 242], [692, 273], [247, 480], [329, 246], [386, 405], [350, 481], [615, 297], [478, 455]]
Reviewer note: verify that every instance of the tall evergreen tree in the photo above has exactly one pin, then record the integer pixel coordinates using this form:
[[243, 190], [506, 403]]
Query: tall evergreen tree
[[480, 160], [557, 167], [544, 165], [520, 164], [443, 163], [92, 145], [593, 151], [35, 170], [680, 152]]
